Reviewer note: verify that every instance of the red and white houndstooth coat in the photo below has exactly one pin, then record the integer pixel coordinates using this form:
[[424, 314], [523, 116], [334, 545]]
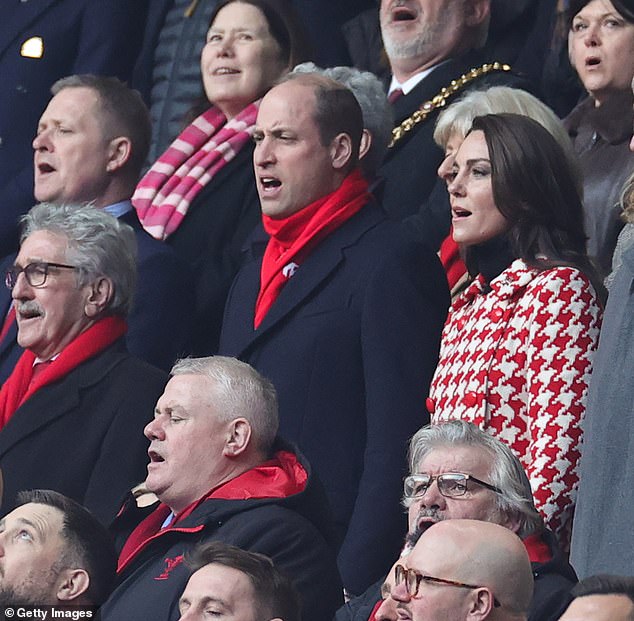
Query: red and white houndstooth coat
[[516, 362]]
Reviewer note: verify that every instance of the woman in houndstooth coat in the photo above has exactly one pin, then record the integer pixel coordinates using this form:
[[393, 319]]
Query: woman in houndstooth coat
[[517, 347]]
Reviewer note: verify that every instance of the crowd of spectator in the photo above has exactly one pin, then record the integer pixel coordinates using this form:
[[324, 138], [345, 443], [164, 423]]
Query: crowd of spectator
[[277, 270]]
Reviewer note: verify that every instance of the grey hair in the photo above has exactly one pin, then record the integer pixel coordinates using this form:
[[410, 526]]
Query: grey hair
[[377, 112], [99, 245], [515, 501], [242, 391], [627, 199], [458, 118], [122, 112]]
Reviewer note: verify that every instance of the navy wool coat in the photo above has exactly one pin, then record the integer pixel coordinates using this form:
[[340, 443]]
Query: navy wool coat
[[350, 345]]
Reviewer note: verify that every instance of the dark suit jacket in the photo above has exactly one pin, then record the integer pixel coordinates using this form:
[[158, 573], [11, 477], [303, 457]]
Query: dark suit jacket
[[410, 165], [79, 36], [160, 324], [83, 435], [350, 344], [210, 241]]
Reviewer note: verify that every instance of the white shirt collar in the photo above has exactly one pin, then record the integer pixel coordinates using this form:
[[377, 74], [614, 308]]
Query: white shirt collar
[[412, 82]]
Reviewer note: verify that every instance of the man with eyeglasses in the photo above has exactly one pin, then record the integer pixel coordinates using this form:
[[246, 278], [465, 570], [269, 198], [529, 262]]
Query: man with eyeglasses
[[73, 410], [459, 471], [464, 570], [90, 145]]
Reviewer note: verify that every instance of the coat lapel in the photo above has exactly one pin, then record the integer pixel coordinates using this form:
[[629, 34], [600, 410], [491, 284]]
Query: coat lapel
[[55, 400], [316, 269], [15, 21]]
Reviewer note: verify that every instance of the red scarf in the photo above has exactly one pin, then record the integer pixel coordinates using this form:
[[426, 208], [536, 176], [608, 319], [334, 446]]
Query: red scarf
[[18, 387], [293, 238], [280, 477], [537, 549], [163, 196]]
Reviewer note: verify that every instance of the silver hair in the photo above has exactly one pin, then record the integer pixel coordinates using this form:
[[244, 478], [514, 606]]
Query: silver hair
[[98, 244], [507, 473], [458, 118], [242, 393], [377, 112]]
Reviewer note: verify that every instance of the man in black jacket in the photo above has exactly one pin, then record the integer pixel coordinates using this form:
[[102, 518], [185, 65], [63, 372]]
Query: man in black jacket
[[219, 474], [458, 471], [432, 45]]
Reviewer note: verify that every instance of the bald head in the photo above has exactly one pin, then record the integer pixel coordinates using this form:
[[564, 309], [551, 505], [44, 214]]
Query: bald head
[[488, 560]]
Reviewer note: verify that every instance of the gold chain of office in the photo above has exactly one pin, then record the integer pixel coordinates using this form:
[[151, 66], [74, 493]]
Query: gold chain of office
[[440, 100]]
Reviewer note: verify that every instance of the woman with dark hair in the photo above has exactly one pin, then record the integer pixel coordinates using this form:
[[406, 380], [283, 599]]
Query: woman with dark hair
[[200, 195], [516, 351], [601, 49]]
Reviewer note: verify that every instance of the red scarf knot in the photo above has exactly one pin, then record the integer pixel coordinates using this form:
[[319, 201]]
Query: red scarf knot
[[293, 238], [19, 388]]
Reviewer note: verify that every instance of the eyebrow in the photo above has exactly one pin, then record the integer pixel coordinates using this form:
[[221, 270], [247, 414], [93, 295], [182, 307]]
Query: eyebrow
[[475, 160], [25, 522], [207, 600]]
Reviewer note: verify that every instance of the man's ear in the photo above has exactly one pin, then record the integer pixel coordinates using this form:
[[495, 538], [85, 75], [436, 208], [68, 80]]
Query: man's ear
[[366, 143], [480, 604], [100, 293], [477, 12], [340, 151], [238, 437], [73, 584], [119, 152]]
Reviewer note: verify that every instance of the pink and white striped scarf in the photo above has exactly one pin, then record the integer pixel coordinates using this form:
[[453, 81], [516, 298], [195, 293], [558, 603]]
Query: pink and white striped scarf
[[164, 194]]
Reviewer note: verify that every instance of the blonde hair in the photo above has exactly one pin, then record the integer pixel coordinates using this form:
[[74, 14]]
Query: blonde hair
[[627, 199], [458, 118]]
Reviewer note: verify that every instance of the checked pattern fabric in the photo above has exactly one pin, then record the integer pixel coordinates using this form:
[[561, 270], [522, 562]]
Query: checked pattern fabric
[[516, 361]]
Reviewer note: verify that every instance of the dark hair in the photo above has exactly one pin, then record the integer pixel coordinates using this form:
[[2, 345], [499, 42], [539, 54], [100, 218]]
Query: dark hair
[[336, 110], [122, 113], [275, 595], [625, 8], [605, 584], [535, 189], [89, 545]]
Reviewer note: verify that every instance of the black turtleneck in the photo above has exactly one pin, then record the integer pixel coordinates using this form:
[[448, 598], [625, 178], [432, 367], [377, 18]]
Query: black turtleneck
[[489, 258]]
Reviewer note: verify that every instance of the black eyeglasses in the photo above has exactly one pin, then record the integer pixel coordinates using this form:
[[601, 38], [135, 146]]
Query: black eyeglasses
[[450, 484], [35, 273], [412, 579]]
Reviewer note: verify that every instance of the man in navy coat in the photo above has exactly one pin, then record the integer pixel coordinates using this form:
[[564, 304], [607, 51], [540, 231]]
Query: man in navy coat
[[90, 145], [341, 310], [42, 41]]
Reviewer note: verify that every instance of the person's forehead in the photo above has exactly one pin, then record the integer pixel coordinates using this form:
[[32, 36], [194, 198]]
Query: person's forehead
[[47, 520], [600, 607], [287, 100], [189, 391], [44, 244], [77, 101], [217, 581], [438, 552], [447, 458]]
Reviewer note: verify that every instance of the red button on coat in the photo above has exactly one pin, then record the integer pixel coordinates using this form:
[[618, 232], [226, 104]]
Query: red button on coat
[[470, 399], [430, 404], [496, 314]]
